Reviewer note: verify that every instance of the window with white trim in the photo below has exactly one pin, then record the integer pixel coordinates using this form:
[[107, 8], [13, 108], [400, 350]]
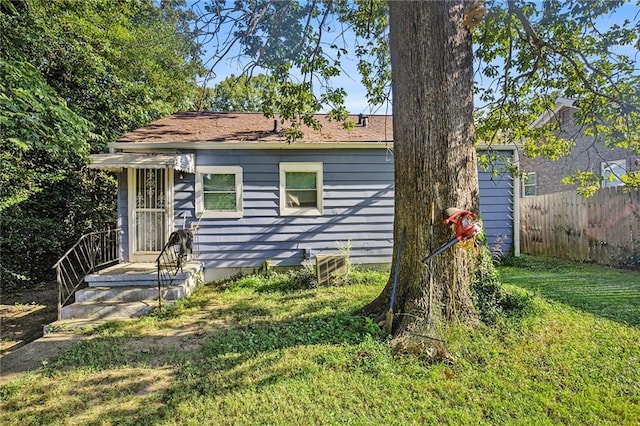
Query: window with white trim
[[219, 191], [301, 189], [612, 171], [529, 184]]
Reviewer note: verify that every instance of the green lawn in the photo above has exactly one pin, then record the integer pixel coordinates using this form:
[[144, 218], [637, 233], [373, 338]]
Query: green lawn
[[606, 292], [253, 353]]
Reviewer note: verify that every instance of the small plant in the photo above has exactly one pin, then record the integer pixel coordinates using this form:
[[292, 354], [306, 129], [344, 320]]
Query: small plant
[[496, 250], [632, 259], [266, 269], [358, 276], [491, 299], [341, 275], [303, 278], [345, 250]]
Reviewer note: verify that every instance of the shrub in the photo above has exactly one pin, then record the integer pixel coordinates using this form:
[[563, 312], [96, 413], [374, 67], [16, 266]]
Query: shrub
[[491, 299], [302, 278]]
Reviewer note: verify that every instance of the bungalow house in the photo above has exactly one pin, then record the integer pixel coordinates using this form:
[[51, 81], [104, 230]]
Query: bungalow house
[[254, 197], [544, 176]]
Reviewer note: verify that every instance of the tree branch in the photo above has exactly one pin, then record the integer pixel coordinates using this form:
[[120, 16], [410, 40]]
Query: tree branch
[[540, 45]]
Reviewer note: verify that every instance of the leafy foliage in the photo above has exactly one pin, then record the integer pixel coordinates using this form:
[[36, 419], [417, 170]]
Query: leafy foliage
[[39, 229], [237, 94], [74, 76], [118, 65], [529, 54], [36, 125], [303, 278], [491, 299], [300, 47]]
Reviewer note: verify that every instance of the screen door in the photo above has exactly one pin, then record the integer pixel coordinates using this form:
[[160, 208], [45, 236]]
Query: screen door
[[150, 210]]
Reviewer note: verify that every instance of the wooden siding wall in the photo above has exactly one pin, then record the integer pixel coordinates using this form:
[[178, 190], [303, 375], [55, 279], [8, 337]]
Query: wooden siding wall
[[358, 209], [604, 228]]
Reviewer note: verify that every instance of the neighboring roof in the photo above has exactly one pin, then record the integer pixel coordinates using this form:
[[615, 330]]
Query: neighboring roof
[[186, 127], [561, 103], [126, 160]]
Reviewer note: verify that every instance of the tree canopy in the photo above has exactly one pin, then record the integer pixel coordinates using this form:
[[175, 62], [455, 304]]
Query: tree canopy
[[528, 54], [74, 75], [119, 65], [236, 93]]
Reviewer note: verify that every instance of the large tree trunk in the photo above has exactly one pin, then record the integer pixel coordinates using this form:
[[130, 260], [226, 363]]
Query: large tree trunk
[[435, 159]]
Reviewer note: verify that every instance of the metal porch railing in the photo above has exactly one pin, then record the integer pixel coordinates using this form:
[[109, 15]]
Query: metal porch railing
[[93, 251], [173, 256]]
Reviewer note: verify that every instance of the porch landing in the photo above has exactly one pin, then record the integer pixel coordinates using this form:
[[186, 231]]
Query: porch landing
[[124, 291]]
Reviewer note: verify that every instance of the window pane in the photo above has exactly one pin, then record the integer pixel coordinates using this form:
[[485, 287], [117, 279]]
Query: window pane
[[529, 183], [612, 174], [300, 180], [530, 178], [219, 182], [224, 201], [530, 190], [302, 198]]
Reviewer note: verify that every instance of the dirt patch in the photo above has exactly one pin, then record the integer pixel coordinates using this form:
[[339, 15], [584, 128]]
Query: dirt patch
[[23, 314], [24, 348]]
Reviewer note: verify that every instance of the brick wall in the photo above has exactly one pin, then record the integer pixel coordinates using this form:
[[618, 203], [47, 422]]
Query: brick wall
[[585, 155]]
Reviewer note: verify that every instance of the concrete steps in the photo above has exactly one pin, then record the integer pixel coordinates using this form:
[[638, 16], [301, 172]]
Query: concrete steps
[[129, 293], [136, 274], [127, 290], [108, 310]]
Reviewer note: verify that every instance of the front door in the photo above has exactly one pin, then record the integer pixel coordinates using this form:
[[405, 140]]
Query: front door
[[149, 212]]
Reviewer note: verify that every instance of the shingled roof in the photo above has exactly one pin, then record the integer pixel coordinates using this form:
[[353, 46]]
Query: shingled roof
[[254, 127]]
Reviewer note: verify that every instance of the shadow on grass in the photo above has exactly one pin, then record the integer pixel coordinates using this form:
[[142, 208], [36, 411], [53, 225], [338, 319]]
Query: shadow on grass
[[255, 355], [126, 396], [606, 292], [239, 347]]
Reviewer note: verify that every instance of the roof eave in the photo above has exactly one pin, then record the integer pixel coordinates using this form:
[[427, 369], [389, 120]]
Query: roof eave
[[545, 117]]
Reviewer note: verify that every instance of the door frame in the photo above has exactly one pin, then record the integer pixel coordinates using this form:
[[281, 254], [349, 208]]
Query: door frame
[[131, 210]]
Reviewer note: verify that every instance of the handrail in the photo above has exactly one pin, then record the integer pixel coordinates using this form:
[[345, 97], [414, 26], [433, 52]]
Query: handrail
[[93, 251], [173, 256]]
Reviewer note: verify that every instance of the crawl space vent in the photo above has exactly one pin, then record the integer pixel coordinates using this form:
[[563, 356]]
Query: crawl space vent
[[330, 268]]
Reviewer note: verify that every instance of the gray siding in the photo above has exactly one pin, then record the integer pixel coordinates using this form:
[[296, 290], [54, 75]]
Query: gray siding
[[496, 209], [358, 209]]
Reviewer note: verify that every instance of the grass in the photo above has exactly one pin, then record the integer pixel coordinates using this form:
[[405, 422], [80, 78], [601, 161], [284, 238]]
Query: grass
[[256, 352], [606, 292]]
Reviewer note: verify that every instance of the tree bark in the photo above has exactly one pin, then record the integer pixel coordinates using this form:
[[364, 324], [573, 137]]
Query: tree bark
[[435, 159]]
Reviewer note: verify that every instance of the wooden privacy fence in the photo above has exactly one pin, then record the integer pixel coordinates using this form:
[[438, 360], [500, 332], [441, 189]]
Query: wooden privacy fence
[[604, 228]]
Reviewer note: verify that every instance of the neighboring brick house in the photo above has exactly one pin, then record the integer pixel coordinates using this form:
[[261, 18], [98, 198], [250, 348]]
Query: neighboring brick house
[[544, 176]]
